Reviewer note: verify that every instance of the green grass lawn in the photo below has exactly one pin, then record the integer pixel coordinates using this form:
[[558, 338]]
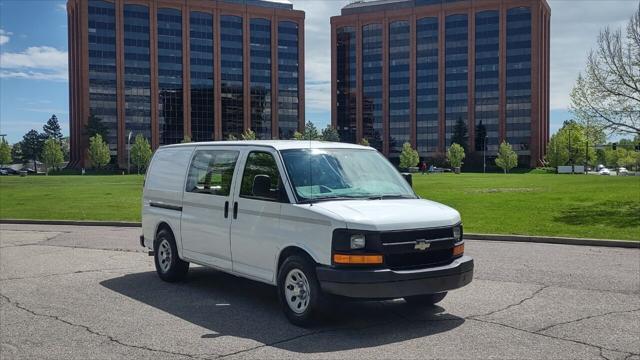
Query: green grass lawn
[[528, 204]]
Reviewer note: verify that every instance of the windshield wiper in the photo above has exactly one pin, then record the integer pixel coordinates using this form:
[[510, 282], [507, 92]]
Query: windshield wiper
[[331, 198], [390, 196]]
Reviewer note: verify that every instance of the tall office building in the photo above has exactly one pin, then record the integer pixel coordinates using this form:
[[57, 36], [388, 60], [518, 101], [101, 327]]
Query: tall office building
[[172, 69], [409, 70]]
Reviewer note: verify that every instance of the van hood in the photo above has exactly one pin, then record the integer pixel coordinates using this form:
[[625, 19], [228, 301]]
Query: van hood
[[391, 214]]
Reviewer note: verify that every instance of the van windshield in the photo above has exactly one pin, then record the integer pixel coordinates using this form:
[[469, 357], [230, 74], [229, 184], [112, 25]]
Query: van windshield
[[339, 174]]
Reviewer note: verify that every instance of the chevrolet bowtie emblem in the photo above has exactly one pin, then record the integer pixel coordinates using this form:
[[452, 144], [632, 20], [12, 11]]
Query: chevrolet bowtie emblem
[[422, 245]]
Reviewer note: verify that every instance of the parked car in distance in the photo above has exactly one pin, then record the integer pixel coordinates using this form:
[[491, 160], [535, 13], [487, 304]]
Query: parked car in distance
[[9, 171], [318, 220], [604, 171], [623, 171]]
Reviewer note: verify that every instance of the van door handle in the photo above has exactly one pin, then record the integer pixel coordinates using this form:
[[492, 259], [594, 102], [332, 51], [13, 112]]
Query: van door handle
[[226, 209], [235, 210]]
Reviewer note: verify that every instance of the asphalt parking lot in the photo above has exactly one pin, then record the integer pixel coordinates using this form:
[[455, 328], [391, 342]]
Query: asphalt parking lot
[[90, 292]]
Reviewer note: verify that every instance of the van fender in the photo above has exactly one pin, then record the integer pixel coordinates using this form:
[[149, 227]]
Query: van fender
[[314, 256]]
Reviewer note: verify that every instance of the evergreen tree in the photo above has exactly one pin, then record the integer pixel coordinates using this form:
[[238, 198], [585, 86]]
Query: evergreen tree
[[16, 152], [140, 152], [52, 129], [32, 143], [99, 153], [480, 136], [51, 154], [460, 134], [95, 126], [310, 131], [507, 158], [330, 134]]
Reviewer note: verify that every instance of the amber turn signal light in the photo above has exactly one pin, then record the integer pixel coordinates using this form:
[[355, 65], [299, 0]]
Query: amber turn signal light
[[458, 250], [357, 259]]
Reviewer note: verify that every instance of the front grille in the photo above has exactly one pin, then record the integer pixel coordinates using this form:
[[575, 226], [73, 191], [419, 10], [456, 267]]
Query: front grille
[[413, 235], [415, 260]]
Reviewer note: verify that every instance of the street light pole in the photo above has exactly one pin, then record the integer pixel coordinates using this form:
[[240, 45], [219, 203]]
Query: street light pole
[[570, 151], [484, 154], [129, 153]]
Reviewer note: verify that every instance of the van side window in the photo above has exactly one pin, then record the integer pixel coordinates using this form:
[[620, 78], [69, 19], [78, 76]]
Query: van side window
[[211, 172], [261, 178]]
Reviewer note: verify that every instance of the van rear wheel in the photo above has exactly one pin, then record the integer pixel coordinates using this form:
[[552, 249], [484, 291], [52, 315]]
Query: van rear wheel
[[299, 291], [425, 300], [169, 266]]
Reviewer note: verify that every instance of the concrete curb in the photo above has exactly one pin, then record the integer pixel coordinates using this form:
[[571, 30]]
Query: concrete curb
[[467, 236], [554, 240], [71, 222]]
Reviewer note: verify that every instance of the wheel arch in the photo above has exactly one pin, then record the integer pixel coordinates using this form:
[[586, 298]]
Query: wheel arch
[[290, 250]]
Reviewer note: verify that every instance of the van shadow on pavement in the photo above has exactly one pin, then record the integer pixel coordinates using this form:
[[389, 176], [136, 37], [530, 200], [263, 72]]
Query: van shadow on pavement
[[237, 307]]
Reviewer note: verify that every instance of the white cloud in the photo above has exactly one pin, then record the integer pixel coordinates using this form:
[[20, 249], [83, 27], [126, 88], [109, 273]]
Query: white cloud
[[38, 63], [4, 36], [61, 7]]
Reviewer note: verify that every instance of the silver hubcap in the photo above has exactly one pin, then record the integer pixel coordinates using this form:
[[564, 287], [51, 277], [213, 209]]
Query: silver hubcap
[[164, 255], [297, 291]]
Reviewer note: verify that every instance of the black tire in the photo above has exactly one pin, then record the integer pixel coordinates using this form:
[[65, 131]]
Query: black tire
[[177, 268], [425, 300], [318, 301]]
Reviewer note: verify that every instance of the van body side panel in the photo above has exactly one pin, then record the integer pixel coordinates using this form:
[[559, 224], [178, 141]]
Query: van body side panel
[[162, 195]]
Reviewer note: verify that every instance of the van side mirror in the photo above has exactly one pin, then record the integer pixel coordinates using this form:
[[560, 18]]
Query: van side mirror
[[407, 177], [261, 186]]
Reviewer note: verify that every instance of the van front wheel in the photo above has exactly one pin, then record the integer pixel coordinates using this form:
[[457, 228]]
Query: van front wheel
[[299, 291], [169, 266]]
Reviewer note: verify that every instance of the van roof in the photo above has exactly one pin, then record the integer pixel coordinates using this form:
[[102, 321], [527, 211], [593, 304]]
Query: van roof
[[276, 144]]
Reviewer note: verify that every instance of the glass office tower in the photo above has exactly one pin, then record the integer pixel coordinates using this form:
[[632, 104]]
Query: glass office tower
[[175, 70], [411, 70]]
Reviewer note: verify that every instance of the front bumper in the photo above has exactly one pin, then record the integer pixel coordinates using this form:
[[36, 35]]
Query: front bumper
[[388, 284]]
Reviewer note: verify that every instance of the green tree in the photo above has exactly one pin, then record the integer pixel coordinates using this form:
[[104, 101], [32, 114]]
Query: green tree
[[52, 155], [507, 159], [364, 142], [408, 157], [460, 134], [31, 147], [455, 155], [609, 92], [248, 135], [52, 129], [557, 152], [141, 152], [5, 153], [310, 131], [16, 152], [298, 136], [99, 153], [95, 126], [66, 147], [330, 134]]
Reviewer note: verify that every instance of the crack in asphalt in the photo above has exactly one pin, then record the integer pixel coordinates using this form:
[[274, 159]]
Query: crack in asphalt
[[65, 273], [533, 295], [94, 332], [586, 318]]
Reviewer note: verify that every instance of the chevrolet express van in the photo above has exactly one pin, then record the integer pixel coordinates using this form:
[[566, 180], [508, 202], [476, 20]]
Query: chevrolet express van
[[319, 220]]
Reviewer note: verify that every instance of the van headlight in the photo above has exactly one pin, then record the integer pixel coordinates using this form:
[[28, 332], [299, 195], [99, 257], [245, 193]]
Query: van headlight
[[457, 233], [357, 241]]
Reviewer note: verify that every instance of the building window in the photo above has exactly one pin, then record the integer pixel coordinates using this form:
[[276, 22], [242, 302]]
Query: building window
[[487, 89], [170, 105], [231, 60], [201, 68], [102, 68], [261, 77], [288, 97], [346, 83], [427, 123], [372, 85], [137, 71], [399, 54], [518, 87], [456, 71]]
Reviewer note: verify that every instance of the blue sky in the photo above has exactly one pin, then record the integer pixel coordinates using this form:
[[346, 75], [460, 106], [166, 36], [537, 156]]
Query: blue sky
[[33, 57]]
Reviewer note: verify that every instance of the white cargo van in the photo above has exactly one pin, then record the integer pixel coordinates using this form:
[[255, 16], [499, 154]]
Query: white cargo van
[[315, 219]]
